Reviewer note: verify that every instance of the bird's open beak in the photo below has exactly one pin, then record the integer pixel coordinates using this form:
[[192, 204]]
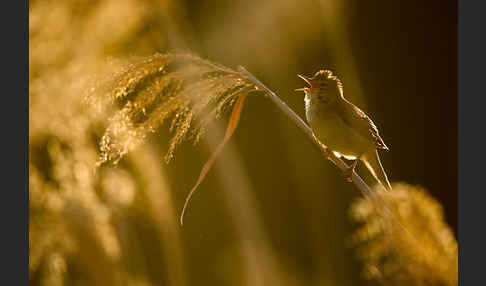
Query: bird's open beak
[[307, 80]]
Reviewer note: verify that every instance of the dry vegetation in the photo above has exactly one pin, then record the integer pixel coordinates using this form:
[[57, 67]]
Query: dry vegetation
[[426, 254], [182, 87], [102, 210]]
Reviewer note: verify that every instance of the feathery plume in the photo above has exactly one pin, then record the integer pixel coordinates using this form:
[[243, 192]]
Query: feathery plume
[[190, 90], [396, 259]]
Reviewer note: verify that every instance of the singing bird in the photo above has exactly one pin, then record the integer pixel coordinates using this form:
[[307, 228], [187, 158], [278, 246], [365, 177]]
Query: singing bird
[[341, 126]]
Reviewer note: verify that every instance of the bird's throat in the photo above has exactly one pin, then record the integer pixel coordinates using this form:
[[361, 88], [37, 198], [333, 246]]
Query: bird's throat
[[316, 104], [307, 101], [311, 107]]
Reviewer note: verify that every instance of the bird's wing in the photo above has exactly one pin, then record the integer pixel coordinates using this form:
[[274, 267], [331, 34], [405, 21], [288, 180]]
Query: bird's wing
[[358, 120]]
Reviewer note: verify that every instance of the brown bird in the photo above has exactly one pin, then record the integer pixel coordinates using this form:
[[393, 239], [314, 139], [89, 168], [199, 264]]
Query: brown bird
[[341, 126]]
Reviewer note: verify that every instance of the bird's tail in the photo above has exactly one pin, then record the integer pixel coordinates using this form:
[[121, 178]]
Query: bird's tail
[[372, 162]]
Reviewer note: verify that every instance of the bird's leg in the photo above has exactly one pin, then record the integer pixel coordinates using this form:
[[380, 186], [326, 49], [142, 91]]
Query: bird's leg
[[349, 172]]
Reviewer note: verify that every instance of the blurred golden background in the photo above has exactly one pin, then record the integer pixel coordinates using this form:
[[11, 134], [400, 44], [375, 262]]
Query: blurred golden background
[[273, 211]]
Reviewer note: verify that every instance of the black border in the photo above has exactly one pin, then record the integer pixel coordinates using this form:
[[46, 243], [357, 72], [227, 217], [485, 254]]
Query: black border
[[471, 132], [14, 210]]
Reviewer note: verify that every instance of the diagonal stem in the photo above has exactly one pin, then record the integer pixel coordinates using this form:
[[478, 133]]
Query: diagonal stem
[[375, 198]]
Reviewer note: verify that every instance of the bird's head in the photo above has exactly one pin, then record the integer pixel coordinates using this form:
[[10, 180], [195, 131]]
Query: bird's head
[[324, 82]]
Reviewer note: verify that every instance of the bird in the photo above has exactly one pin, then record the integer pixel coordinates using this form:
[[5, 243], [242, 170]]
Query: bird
[[340, 125]]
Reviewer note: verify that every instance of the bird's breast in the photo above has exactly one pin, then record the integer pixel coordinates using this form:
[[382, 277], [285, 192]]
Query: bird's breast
[[329, 127]]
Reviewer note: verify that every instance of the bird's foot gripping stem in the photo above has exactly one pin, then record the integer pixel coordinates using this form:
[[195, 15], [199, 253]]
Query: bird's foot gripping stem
[[349, 172]]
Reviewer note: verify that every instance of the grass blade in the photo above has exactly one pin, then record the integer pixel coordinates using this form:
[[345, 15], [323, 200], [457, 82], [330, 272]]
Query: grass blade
[[232, 124]]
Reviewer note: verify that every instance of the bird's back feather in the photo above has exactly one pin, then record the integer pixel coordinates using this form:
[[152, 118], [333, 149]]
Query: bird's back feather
[[360, 122]]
